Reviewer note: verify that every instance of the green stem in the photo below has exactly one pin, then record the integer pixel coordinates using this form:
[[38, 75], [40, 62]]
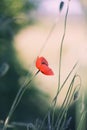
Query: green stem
[[61, 46], [65, 104], [67, 101], [17, 100], [60, 60]]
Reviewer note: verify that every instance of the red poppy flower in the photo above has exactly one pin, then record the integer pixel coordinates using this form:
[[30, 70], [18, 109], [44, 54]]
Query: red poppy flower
[[42, 65]]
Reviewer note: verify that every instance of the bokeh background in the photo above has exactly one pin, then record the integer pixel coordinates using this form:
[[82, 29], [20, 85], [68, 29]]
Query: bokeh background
[[29, 42], [24, 27]]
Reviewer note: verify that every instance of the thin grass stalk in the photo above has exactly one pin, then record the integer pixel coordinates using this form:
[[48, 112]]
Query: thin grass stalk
[[49, 122], [48, 36], [60, 60], [21, 94], [81, 120], [24, 89], [66, 79], [50, 109], [62, 107], [64, 83], [61, 118], [61, 45], [66, 100], [64, 121], [48, 113], [27, 81], [70, 99], [12, 125], [67, 106], [16, 101], [66, 109]]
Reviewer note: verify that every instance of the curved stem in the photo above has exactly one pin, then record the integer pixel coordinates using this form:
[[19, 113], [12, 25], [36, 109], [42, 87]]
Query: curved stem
[[61, 46], [60, 60]]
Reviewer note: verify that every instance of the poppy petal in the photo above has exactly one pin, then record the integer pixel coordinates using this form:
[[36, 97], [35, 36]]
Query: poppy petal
[[40, 61], [42, 65], [44, 61], [46, 70]]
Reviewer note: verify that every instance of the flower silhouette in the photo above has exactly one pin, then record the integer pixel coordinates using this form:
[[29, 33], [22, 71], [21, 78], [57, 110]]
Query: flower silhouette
[[42, 65]]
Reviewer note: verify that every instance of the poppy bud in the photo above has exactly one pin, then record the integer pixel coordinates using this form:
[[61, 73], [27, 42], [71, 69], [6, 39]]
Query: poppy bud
[[61, 6]]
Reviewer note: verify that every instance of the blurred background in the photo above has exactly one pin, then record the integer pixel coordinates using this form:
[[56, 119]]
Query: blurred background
[[24, 27], [29, 41]]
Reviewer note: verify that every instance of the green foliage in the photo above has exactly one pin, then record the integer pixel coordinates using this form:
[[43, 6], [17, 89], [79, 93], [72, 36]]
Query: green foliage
[[10, 11], [13, 8]]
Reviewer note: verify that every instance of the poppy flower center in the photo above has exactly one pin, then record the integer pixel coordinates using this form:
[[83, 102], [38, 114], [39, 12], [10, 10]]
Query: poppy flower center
[[44, 63]]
